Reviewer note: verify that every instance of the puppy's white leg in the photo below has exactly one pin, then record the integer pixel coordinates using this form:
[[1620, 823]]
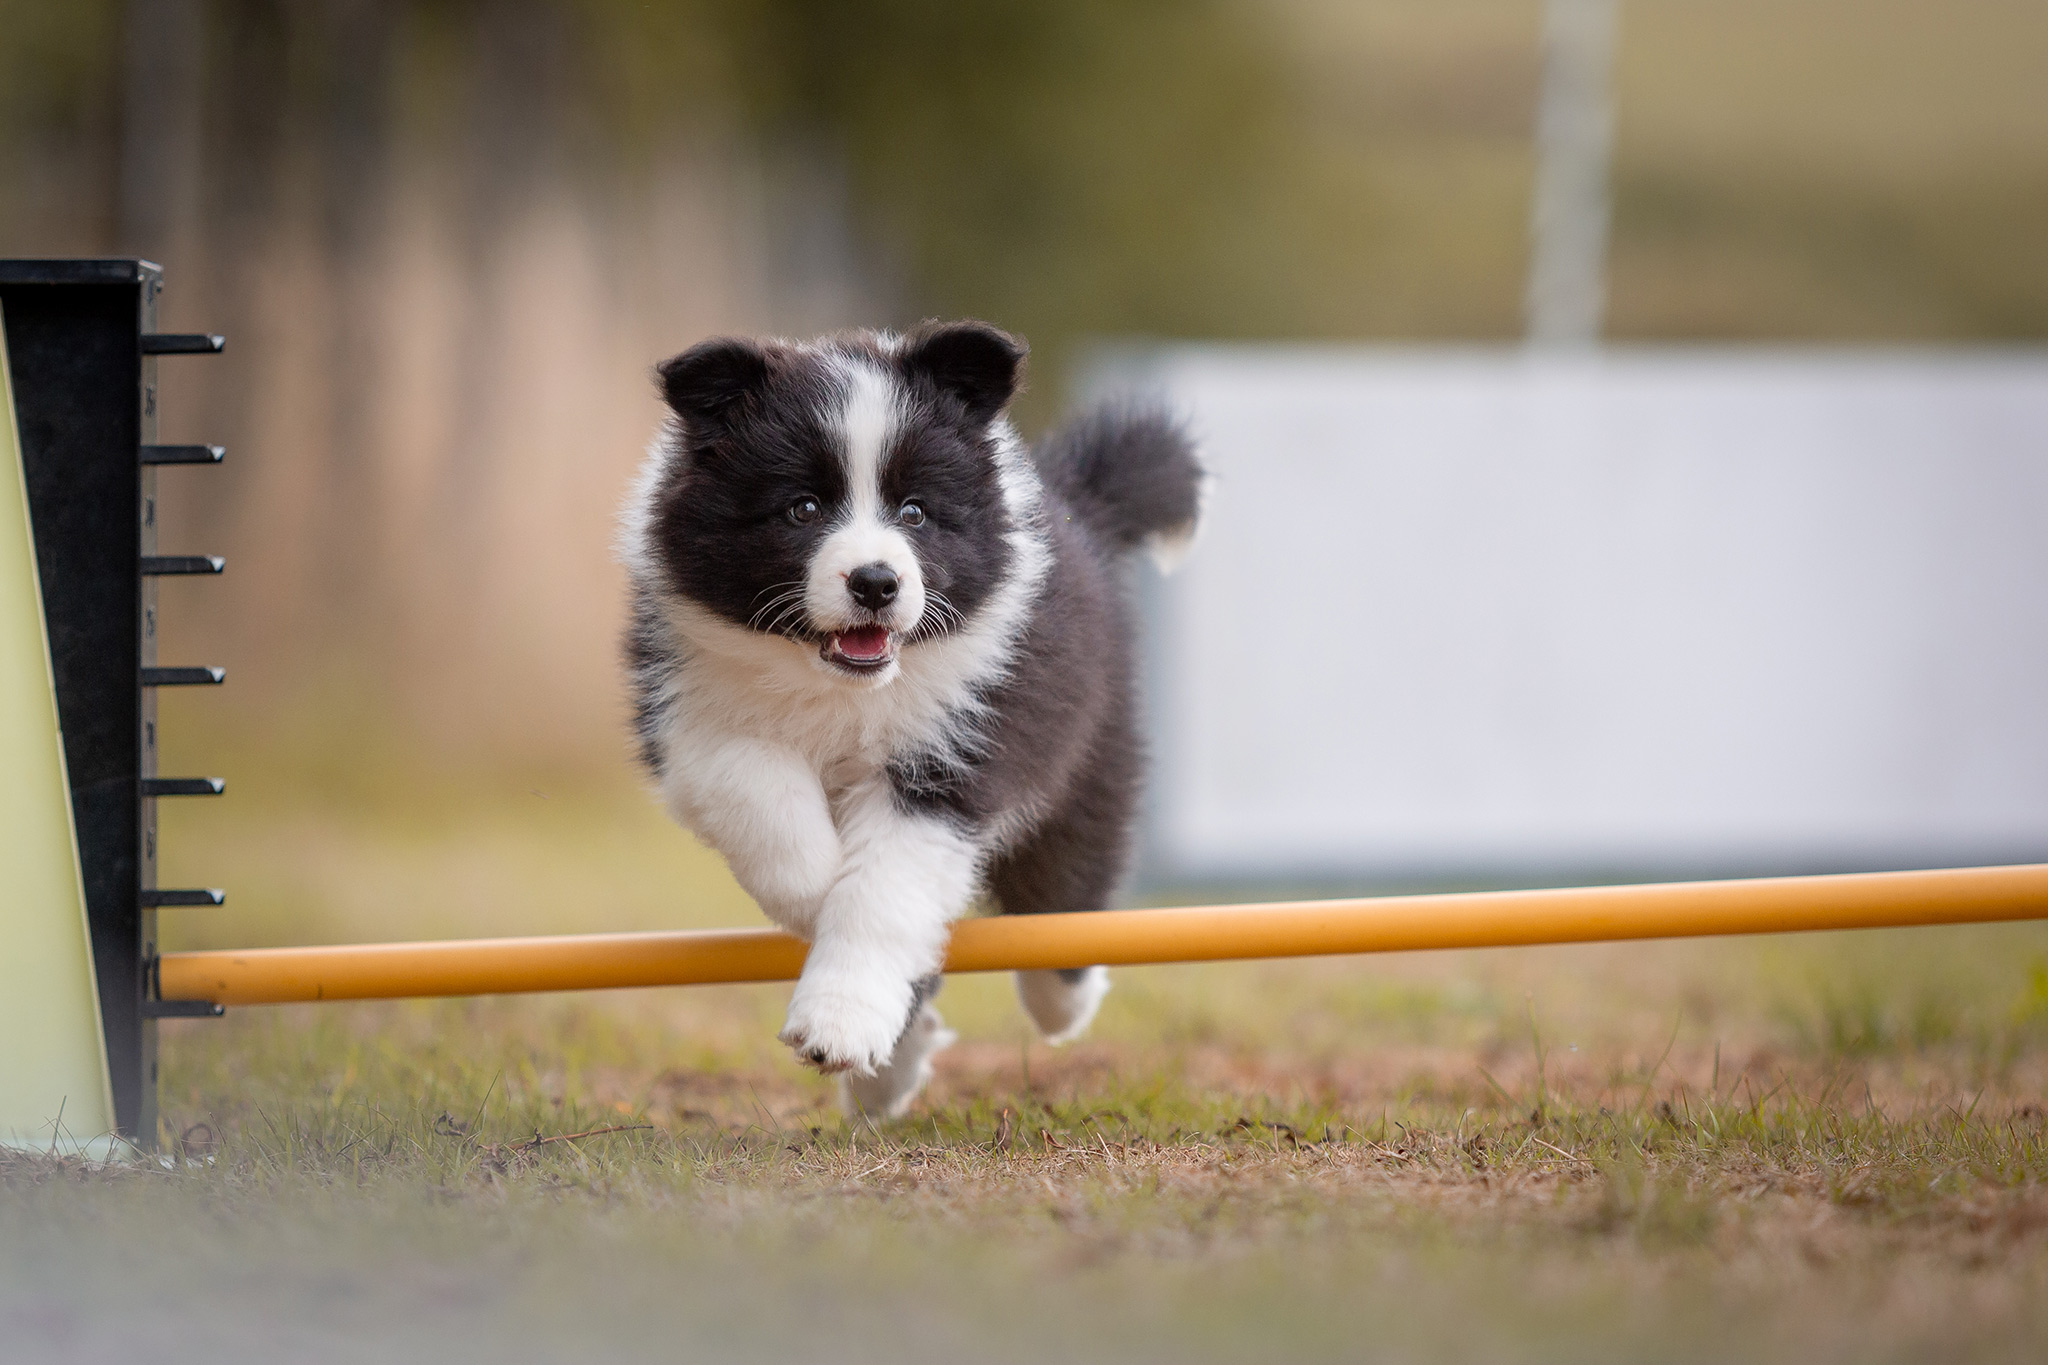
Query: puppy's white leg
[[905, 877], [888, 1093], [1063, 1003], [762, 807]]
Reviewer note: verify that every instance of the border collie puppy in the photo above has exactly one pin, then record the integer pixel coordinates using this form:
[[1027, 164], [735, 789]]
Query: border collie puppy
[[881, 660]]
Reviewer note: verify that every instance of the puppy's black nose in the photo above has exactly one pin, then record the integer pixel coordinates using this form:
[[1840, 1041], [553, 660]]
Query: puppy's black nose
[[872, 585]]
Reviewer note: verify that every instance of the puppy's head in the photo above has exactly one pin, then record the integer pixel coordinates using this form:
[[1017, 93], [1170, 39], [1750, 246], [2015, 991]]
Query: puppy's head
[[848, 495]]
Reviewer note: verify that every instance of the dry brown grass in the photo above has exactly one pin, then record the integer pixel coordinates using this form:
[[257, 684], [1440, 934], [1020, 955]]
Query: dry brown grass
[[1431, 1174], [1810, 1147]]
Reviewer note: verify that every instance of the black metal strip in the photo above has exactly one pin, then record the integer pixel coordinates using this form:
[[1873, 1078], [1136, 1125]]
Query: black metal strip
[[183, 786], [184, 454], [182, 1009], [183, 677], [153, 897], [159, 566], [183, 343], [64, 270]]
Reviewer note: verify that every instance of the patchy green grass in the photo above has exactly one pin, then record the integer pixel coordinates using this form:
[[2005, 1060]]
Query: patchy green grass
[[1798, 1148], [1516, 1156]]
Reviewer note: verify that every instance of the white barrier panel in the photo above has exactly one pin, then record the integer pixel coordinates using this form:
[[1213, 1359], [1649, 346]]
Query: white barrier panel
[[1489, 615], [54, 1090]]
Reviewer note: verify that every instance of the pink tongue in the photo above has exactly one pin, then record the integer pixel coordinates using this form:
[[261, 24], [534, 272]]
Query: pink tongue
[[869, 642]]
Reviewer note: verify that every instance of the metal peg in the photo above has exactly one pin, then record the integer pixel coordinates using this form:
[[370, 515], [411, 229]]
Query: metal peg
[[155, 898], [164, 565], [184, 454], [183, 343], [183, 786], [183, 677], [182, 1009]]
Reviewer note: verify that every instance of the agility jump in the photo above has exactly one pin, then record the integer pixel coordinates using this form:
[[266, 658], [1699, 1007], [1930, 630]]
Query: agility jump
[[84, 983], [1210, 933]]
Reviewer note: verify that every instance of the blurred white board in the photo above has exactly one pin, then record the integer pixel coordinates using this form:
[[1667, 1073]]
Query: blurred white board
[[1490, 615]]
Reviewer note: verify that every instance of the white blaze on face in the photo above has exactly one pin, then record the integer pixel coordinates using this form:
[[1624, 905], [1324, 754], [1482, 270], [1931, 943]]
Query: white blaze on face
[[864, 530]]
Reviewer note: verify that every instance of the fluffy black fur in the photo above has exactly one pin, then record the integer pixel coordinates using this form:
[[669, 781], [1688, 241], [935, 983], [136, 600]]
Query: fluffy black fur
[[1064, 751], [1128, 471], [1048, 765]]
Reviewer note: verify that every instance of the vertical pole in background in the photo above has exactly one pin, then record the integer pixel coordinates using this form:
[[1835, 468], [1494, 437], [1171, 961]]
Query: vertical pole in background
[[162, 118], [1574, 143], [54, 1091]]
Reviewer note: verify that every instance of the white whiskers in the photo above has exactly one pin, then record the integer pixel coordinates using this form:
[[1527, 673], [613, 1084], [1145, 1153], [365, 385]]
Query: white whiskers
[[940, 615], [787, 601]]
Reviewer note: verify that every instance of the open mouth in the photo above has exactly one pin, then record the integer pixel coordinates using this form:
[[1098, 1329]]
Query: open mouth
[[864, 649]]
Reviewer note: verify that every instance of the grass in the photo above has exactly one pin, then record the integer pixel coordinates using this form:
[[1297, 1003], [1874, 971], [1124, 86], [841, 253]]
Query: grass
[[1809, 1147], [401, 1178]]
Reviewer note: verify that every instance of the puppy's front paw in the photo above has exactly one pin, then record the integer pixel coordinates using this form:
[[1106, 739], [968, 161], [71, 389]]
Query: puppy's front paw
[[846, 1026]]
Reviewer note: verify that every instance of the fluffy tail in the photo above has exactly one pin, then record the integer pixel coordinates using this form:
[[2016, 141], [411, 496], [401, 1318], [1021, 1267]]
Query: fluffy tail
[[1130, 473]]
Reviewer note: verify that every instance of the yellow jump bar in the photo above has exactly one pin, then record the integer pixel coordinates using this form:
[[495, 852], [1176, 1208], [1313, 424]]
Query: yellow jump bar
[[1209, 933]]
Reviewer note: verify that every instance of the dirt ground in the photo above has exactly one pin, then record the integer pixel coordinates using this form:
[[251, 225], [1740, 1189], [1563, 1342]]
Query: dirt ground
[[1797, 1148]]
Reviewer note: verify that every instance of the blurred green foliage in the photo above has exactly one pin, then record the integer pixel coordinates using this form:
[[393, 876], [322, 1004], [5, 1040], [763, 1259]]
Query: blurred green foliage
[[1068, 168], [1059, 163], [1065, 167], [449, 235], [1218, 168]]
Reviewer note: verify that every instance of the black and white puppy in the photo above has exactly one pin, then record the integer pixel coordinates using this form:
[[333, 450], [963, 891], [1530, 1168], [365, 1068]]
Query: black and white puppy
[[882, 661]]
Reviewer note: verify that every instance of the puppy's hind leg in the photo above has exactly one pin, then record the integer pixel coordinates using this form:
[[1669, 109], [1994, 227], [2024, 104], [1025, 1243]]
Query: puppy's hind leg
[[1063, 1003], [888, 1093], [1071, 864]]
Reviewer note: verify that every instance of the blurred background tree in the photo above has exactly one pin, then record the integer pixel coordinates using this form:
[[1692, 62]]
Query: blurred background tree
[[447, 238]]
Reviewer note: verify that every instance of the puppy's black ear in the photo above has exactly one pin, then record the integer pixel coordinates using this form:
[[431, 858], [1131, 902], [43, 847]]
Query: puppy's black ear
[[973, 361], [707, 383]]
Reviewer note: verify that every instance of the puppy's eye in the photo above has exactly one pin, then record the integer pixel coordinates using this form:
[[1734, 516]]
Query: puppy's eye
[[805, 510], [911, 514]]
